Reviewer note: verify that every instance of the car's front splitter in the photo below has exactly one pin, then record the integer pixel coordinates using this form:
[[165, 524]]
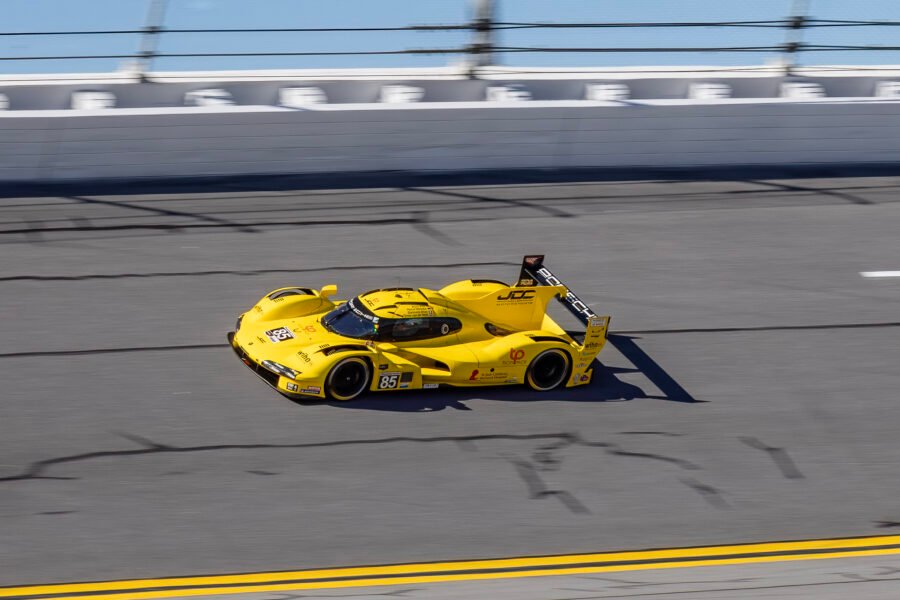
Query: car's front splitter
[[292, 389]]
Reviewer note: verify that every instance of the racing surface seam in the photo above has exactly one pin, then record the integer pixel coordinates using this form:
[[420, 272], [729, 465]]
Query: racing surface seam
[[110, 350], [217, 225], [760, 328], [253, 272], [705, 591], [155, 211], [613, 335]]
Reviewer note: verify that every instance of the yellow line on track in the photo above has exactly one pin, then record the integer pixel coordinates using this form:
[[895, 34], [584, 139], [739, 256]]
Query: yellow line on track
[[470, 570]]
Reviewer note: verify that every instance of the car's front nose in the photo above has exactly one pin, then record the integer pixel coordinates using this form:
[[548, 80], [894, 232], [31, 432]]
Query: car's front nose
[[284, 379]]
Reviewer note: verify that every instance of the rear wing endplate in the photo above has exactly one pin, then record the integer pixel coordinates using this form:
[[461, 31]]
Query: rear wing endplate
[[535, 273]]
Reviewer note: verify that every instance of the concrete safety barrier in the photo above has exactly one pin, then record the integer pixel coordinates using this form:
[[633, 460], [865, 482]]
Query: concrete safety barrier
[[46, 145]]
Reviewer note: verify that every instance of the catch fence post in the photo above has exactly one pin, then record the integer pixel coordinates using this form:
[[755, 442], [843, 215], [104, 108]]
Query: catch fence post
[[482, 47], [153, 27], [793, 42]]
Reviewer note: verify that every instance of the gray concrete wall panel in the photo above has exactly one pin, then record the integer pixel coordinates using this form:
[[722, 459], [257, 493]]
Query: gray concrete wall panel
[[182, 142]]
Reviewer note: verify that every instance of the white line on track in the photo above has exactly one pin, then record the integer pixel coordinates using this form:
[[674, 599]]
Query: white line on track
[[878, 274]]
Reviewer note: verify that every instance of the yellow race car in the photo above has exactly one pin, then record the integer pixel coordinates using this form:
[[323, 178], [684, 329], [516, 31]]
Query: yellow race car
[[471, 333]]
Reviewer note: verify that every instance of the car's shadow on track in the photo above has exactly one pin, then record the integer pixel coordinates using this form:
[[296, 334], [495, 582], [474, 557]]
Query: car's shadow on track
[[605, 386]]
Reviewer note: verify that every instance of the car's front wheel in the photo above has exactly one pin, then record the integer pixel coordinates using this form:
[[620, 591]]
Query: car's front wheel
[[548, 370], [348, 379]]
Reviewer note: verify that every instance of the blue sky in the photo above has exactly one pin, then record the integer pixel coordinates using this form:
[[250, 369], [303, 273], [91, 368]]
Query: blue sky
[[55, 15]]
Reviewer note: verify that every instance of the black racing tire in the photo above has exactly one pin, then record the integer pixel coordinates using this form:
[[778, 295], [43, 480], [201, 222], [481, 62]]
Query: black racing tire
[[548, 370], [348, 379]]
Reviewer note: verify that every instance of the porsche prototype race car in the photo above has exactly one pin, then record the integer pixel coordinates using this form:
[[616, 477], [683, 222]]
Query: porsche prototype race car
[[475, 332]]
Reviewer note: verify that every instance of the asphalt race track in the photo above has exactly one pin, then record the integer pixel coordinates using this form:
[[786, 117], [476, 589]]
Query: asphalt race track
[[749, 393]]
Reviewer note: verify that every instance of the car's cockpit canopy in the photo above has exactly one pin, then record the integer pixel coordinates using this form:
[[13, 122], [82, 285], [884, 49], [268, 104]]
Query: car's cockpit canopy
[[353, 319]]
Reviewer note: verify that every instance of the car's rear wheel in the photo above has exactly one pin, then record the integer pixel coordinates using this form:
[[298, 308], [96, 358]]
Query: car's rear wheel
[[548, 370], [348, 379]]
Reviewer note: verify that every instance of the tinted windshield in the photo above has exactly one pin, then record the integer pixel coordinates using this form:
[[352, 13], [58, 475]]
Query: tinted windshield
[[345, 321], [356, 321]]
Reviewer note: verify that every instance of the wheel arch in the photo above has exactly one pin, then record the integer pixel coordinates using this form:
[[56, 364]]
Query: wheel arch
[[567, 374], [337, 359]]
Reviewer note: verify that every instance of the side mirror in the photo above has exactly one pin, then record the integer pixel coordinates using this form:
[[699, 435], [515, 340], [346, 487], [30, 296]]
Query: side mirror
[[327, 291]]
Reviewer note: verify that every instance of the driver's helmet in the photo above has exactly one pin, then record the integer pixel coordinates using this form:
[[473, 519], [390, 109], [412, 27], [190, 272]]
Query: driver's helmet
[[407, 327]]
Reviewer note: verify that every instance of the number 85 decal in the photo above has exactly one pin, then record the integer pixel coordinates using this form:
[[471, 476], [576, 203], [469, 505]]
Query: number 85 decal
[[388, 381]]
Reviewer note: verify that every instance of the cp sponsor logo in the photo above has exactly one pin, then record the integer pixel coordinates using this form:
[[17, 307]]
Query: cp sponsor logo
[[516, 354], [474, 375], [517, 295]]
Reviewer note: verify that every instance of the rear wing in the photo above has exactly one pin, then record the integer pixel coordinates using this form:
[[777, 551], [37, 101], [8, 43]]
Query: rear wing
[[535, 273]]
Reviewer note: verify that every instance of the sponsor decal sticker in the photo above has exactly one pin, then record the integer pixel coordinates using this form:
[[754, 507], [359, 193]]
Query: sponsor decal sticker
[[512, 380], [313, 389], [361, 313], [429, 386], [292, 387], [303, 355], [415, 311], [517, 296], [490, 376], [516, 354], [280, 334], [571, 299]]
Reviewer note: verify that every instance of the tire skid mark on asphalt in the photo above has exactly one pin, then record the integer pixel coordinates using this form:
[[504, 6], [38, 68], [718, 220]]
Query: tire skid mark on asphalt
[[38, 470], [779, 456]]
